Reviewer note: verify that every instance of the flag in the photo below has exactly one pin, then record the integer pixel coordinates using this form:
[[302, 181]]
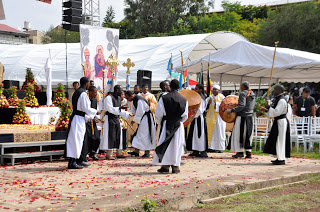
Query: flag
[[180, 81], [209, 84], [200, 81], [170, 66], [48, 69], [128, 82], [186, 74]]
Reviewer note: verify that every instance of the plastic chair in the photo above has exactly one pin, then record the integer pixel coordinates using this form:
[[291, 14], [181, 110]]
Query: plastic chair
[[300, 131], [260, 131], [314, 136]]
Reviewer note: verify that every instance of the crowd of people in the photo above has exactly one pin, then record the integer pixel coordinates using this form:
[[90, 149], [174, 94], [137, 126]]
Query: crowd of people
[[160, 124]]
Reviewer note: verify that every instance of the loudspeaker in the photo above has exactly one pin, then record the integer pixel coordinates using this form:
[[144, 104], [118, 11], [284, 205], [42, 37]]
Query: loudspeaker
[[9, 83], [144, 77]]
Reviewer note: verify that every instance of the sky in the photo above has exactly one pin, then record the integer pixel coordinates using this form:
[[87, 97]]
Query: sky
[[42, 15]]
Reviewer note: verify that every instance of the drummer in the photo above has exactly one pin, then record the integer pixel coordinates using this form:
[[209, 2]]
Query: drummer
[[243, 124], [197, 140]]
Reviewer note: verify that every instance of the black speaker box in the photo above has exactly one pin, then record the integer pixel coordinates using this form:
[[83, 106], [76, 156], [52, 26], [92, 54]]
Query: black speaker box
[[9, 83], [144, 77]]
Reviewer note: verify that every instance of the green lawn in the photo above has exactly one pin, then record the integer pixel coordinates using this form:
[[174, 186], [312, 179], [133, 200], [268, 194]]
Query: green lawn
[[297, 197]]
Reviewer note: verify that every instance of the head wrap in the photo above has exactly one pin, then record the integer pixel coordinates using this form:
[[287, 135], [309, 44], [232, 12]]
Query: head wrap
[[215, 86]]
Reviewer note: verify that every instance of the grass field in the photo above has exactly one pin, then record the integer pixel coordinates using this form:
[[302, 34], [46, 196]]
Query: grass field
[[297, 197]]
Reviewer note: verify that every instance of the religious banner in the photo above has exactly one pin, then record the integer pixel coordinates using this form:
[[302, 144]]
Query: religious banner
[[98, 44]]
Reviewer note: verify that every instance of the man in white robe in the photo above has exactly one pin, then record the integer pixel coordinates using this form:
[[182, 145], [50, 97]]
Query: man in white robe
[[77, 126], [278, 142], [111, 135], [197, 140], [151, 99], [145, 137], [171, 112], [218, 137]]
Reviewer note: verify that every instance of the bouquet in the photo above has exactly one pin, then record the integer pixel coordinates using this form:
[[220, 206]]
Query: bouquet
[[31, 100], [59, 96], [3, 100], [21, 117], [65, 113], [13, 99]]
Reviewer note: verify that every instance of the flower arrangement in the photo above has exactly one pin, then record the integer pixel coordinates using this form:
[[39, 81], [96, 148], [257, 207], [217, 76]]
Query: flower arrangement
[[59, 96], [30, 80], [21, 117], [3, 100], [31, 100], [65, 113], [13, 99]]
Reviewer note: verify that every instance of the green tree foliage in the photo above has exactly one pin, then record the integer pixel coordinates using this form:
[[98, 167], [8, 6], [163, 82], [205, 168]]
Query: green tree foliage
[[150, 16], [248, 12], [110, 15], [296, 26], [57, 35]]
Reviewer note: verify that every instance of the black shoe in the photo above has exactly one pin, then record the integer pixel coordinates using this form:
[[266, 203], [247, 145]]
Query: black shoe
[[94, 157], [134, 154], [211, 150], [274, 160], [279, 162], [175, 170], [163, 170], [238, 155], [219, 151], [203, 154], [248, 155], [194, 154], [146, 156], [73, 164], [84, 164]]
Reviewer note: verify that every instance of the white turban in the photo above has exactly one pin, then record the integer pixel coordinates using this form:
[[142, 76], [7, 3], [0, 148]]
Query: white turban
[[215, 86]]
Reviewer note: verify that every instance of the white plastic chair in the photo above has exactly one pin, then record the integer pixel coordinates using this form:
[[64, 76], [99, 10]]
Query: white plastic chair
[[260, 131], [300, 131], [314, 136]]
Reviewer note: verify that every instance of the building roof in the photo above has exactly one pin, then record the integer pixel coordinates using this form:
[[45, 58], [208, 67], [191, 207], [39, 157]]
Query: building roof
[[7, 28]]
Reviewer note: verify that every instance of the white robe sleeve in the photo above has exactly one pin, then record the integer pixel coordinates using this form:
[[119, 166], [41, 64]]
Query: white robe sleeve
[[279, 110], [84, 105], [184, 116], [202, 108], [160, 111], [109, 106], [142, 107]]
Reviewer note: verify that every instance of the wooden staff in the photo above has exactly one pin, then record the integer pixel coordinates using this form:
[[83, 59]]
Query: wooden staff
[[184, 80], [129, 126], [84, 70], [92, 129], [274, 57]]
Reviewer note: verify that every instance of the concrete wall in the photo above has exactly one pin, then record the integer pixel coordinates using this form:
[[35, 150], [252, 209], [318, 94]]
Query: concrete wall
[[14, 37]]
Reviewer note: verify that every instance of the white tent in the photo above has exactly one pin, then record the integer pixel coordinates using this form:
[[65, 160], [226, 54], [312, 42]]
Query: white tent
[[150, 53], [245, 61]]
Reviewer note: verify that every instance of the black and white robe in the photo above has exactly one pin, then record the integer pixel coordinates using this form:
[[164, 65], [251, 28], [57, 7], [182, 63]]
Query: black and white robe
[[278, 142], [171, 112]]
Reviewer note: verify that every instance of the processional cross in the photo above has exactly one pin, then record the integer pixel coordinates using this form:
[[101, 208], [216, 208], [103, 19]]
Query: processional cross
[[128, 64], [112, 62]]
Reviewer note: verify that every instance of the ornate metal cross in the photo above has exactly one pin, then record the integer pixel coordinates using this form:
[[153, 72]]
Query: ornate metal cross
[[128, 64], [112, 62]]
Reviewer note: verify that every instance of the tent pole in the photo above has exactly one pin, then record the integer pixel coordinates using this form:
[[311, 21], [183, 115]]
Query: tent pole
[[65, 40], [220, 82], [259, 87]]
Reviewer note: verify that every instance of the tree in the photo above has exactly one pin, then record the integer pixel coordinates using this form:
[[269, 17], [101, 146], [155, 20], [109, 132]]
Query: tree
[[151, 17], [110, 15], [296, 26], [57, 35]]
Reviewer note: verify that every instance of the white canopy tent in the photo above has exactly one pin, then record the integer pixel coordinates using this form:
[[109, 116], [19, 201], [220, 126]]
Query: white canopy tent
[[150, 53], [245, 61]]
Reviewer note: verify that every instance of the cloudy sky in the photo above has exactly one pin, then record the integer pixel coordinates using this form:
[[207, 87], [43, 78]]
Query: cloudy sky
[[42, 15]]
